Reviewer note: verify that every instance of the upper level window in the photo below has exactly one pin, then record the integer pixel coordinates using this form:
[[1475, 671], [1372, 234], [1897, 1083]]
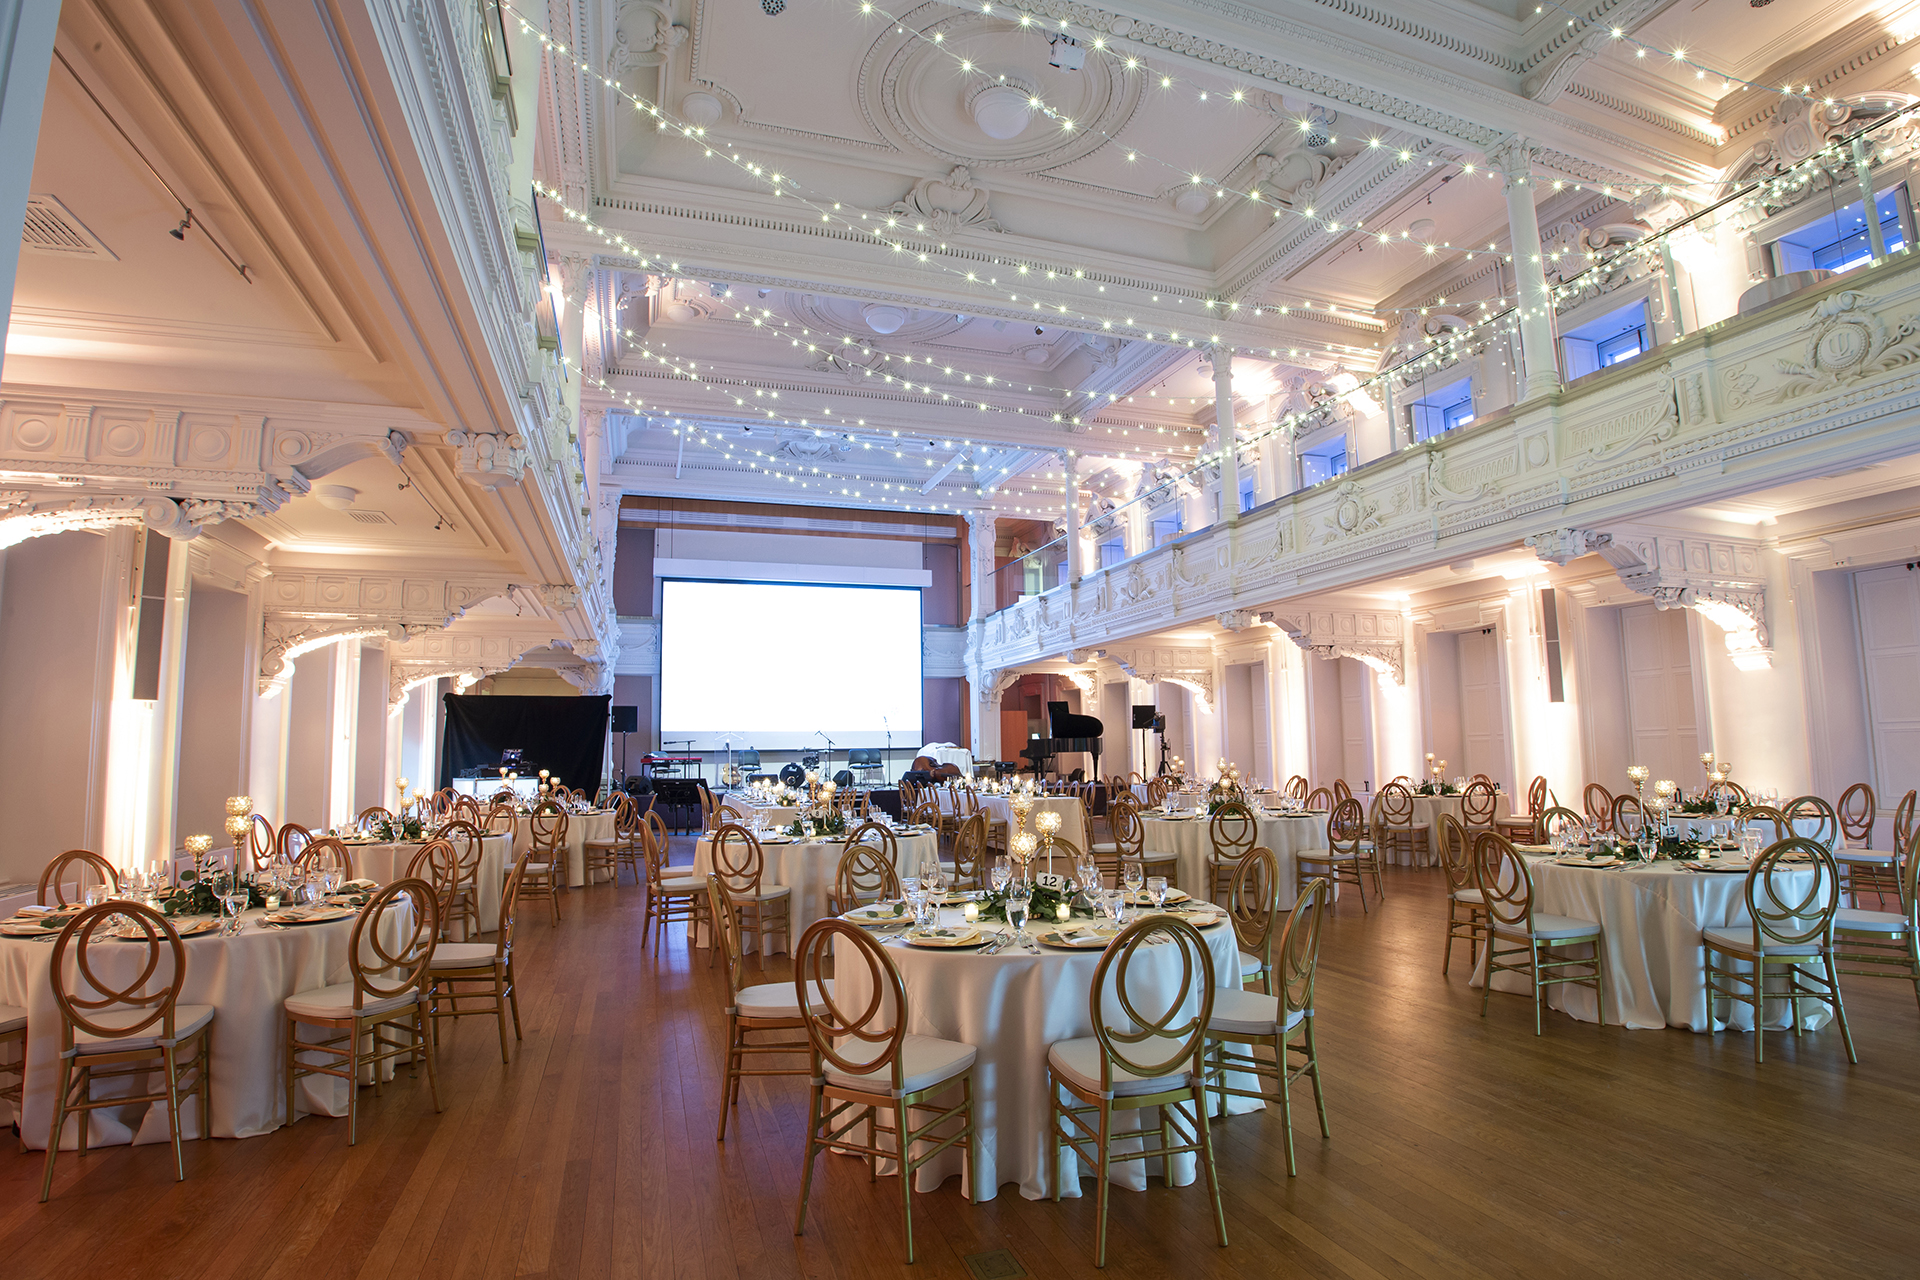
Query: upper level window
[[1247, 495], [1323, 461], [1165, 530], [1617, 336], [1112, 552], [1838, 241], [1443, 409]]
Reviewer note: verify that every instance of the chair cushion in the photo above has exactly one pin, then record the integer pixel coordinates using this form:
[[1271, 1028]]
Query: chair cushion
[[336, 1001], [1855, 921], [539, 868], [187, 1019], [1740, 942], [1868, 857], [1248, 1013], [775, 893], [1079, 1061], [1474, 896], [12, 1019], [1250, 963], [772, 1000], [462, 955], [688, 885], [924, 1062], [1551, 927]]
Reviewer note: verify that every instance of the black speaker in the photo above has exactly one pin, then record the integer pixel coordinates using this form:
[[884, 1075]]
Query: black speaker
[[1143, 717], [626, 719]]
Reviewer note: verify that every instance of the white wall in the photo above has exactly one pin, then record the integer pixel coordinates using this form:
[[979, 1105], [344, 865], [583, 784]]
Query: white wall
[[218, 694]]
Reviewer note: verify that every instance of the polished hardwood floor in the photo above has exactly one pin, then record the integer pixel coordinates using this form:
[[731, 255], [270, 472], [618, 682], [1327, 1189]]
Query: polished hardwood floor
[[1461, 1147]]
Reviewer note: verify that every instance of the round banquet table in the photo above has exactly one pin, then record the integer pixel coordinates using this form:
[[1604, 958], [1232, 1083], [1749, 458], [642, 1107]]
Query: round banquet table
[[1651, 918], [1288, 835], [594, 824], [385, 863], [1012, 1006], [809, 867], [246, 978]]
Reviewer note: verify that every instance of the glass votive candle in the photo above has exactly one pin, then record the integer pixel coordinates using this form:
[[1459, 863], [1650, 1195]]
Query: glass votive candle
[[1063, 913], [972, 911]]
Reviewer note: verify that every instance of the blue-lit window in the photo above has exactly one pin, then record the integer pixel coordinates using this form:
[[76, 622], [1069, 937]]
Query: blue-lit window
[[1442, 409], [1323, 461], [1247, 495], [1838, 242], [1615, 337], [1112, 552], [1622, 346], [1165, 530]]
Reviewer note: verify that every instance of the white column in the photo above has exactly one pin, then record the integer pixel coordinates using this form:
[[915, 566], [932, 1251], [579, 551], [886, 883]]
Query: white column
[[1514, 159], [26, 55], [986, 717], [981, 533], [343, 723], [1070, 467], [163, 773], [396, 763], [1226, 443]]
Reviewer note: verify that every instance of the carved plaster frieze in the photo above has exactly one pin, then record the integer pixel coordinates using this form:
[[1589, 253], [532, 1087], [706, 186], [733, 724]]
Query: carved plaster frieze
[[1189, 667], [1722, 579], [1376, 638], [1564, 546]]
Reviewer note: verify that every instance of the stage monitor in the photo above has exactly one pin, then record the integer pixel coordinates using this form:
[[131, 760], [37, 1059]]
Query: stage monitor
[[774, 665]]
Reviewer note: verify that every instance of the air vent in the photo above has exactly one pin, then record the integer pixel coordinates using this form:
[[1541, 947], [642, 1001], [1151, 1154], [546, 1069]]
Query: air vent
[[51, 228], [369, 517]]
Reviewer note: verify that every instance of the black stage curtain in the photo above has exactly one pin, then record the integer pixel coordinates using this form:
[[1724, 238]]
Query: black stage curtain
[[567, 736]]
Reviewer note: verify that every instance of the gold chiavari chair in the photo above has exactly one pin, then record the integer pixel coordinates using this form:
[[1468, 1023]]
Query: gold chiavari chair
[[1230, 833], [865, 874], [1506, 887], [480, 971], [291, 841], [1153, 1056], [1341, 791], [1732, 793], [1478, 804], [1398, 831], [370, 816], [386, 1003], [1556, 818], [469, 844], [1244, 1022], [438, 863], [970, 853], [1629, 815], [1320, 801], [1789, 937], [261, 843], [1456, 859], [1297, 787], [877, 836], [770, 1008], [110, 1032], [75, 863], [13, 1033], [1349, 855], [741, 864], [324, 854], [1253, 904], [1816, 812], [1520, 826], [1599, 806], [546, 868], [674, 895], [604, 854], [1855, 814], [865, 1066], [1883, 944]]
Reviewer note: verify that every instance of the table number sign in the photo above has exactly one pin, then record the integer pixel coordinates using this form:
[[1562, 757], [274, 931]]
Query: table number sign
[[1050, 880]]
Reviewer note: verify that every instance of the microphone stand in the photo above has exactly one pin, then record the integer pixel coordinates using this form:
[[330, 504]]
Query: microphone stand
[[886, 757], [826, 762]]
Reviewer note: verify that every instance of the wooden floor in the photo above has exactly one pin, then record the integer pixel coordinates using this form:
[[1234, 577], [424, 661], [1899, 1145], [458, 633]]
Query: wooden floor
[[1461, 1147]]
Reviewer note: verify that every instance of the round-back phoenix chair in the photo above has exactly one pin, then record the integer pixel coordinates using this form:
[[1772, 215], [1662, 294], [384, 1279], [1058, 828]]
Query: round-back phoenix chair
[[1557, 818], [1297, 787], [878, 836], [1813, 819], [1535, 941], [1520, 826], [1466, 908], [1231, 832], [1398, 832], [1128, 845], [1599, 806], [1629, 815], [370, 817], [72, 868], [481, 971], [864, 1064], [438, 863], [603, 854], [770, 1007], [545, 875], [765, 911], [1730, 793], [382, 1012], [1789, 937], [1152, 1055], [1881, 944], [1348, 855], [291, 841], [1777, 828], [865, 875], [1341, 791], [1280, 1021], [1855, 813], [325, 854], [970, 852], [261, 842], [1320, 801], [1253, 905], [674, 894], [500, 819], [112, 1030], [1478, 805]]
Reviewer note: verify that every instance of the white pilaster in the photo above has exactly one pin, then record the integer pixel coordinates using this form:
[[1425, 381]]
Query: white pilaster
[[981, 529], [1070, 467], [1514, 158], [1226, 443], [343, 724], [162, 775]]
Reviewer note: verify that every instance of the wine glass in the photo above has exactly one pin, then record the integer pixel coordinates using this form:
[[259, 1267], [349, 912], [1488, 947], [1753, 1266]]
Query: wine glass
[[329, 881], [1001, 874], [235, 896], [1017, 901], [1157, 889], [1114, 903], [1134, 874]]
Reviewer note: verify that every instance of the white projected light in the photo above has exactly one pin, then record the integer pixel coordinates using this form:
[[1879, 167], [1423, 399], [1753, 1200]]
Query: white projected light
[[774, 665]]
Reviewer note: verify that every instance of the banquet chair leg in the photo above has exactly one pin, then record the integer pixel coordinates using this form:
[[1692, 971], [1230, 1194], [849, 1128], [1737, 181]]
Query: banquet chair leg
[[1313, 1070], [1100, 1192], [1213, 1173], [500, 1008], [1840, 1010], [173, 1110], [905, 1145], [206, 1084], [806, 1171], [59, 1116], [353, 1084], [423, 1045]]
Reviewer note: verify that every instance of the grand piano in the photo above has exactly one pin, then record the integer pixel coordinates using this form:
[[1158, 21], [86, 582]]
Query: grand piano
[[1068, 734]]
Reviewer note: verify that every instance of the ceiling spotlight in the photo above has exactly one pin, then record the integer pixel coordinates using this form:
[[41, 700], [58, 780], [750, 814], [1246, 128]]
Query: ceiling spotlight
[[1318, 127], [772, 8], [1038, 330], [180, 232]]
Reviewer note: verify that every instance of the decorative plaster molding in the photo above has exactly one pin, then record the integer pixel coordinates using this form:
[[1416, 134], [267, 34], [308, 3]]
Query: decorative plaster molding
[[489, 459], [1563, 546], [1375, 638], [1722, 579], [1192, 668]]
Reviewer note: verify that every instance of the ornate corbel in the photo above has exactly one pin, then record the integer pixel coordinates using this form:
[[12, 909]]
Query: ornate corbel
[[1565, 545], [489, 459]]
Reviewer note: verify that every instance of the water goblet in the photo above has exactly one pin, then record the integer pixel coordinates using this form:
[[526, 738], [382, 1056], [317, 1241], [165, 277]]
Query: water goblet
[[1114, 903], [234, 896], [96, 894], [1001, 874], [1017, 902], [329, 881], [1157, 890], [1134, 874]]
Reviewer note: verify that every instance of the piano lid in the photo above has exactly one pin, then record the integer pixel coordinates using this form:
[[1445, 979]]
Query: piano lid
[[1065, 724]]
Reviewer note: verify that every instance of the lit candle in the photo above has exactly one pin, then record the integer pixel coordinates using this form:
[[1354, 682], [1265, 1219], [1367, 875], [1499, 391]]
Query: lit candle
[[1063, 913], [972, 911]]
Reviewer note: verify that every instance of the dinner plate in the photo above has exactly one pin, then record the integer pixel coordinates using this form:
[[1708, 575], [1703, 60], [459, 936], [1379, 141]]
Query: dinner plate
[[1725, 868], [1578, 860], [314, 915], [32, 927], [877, 915], [127, 931], [949, 938], [1145, 899]]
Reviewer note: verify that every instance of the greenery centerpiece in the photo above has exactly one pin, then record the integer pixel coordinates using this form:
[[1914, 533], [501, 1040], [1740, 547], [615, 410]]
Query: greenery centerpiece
[[1043, 903], [819, 816], [1435, 785], [405, 826], [1227, 788], [200, 886]]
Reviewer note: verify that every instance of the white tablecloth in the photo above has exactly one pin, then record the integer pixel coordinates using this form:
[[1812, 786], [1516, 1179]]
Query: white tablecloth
[[596, 824], [245, 978], [808, 867], [385, 863], [1656, 962], [1012, 1006], [1287, 835], [948, 753]]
